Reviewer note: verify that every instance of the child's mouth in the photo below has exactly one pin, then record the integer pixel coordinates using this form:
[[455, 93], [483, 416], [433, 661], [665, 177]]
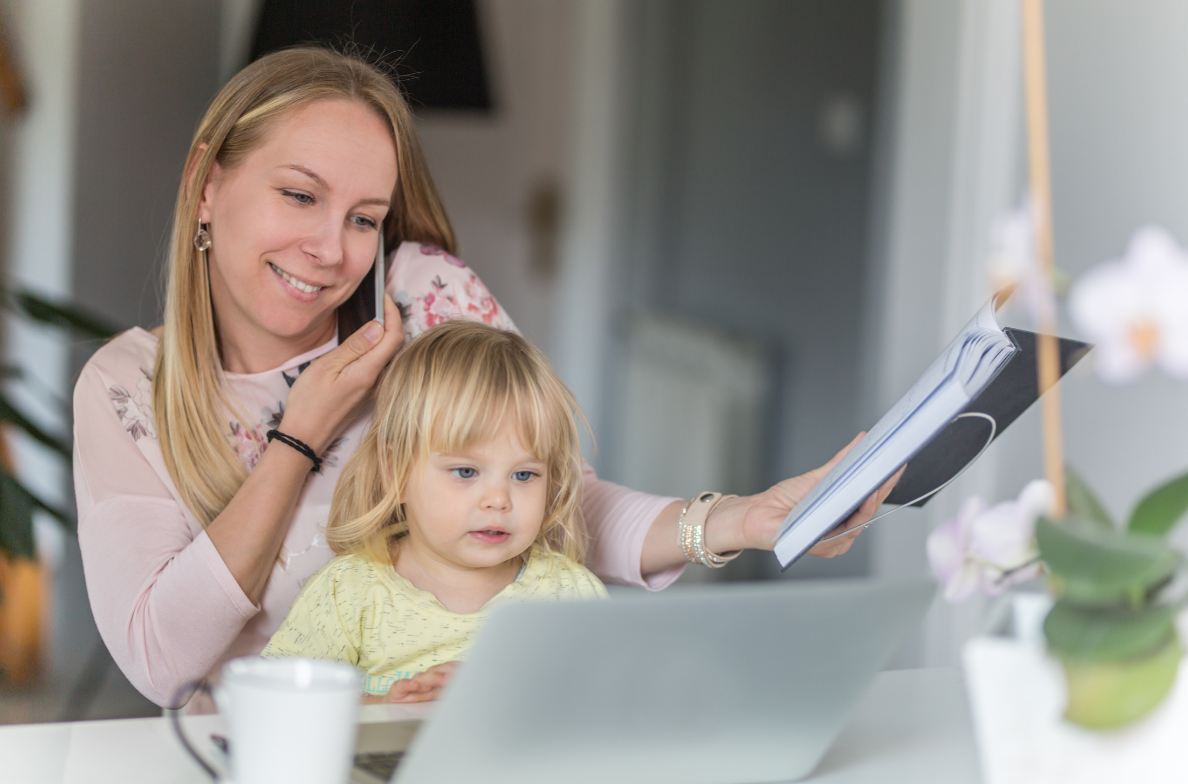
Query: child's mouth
[[491, 536]]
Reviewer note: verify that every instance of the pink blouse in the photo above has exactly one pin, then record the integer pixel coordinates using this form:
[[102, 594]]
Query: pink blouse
[[166, 605]]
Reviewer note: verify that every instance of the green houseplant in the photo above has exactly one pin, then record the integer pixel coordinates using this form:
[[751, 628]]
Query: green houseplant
[[17, 502]]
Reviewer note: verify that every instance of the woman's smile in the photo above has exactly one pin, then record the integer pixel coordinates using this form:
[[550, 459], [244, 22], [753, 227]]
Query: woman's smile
[[303, 209], [300, 290]]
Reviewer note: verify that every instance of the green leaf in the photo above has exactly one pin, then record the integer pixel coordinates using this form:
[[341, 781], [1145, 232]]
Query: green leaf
[[16, 519], [1111, 634], [1095, 567], [1161, 509], [1082, 502], [16, 487], [9, 413], [64, 315]]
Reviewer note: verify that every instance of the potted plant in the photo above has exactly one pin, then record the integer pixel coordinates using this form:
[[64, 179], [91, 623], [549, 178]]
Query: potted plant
[[1100, 696]]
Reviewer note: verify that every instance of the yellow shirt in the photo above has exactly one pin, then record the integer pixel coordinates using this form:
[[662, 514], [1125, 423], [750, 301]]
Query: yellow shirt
[[362, 612]]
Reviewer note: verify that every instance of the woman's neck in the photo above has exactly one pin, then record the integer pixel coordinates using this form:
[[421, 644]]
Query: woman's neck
[[263, 351], [461, 590]]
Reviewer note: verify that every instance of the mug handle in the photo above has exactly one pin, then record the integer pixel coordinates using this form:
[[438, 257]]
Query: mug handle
[[175, 720]]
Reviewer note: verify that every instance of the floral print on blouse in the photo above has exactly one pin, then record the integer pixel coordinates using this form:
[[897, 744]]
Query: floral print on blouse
[[447, 295]]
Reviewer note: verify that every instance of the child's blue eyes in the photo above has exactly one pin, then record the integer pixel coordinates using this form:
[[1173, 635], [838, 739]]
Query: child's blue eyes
[[470, 473]]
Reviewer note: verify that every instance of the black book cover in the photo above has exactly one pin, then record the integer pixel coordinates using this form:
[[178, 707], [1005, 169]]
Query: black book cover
[[1005, 398]]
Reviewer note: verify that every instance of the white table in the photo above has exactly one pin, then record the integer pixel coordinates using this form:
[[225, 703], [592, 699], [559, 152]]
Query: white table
[[913, 726]]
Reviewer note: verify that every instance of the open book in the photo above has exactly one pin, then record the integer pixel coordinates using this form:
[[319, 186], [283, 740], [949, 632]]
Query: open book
[[986, 371]]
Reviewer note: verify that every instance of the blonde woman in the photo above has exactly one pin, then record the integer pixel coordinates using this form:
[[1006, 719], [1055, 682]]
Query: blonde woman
[[197, 530], [463, 496]]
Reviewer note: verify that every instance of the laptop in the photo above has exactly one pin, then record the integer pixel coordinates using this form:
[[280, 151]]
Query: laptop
[[704, 685]]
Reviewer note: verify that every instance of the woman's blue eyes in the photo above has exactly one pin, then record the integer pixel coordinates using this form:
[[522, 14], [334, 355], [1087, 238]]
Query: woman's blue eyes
[[305, 200], [470, 473]]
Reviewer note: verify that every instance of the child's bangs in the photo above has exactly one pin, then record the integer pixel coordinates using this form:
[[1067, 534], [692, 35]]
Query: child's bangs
[[474, 406]]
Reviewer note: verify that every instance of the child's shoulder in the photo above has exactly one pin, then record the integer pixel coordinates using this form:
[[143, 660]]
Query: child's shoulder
[[552, 572], [344, 571]]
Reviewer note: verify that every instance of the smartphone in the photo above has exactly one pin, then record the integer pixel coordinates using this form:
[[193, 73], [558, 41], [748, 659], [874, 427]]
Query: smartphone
[[379, 279]]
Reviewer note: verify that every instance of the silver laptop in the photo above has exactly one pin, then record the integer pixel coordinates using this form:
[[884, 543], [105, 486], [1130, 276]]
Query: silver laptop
[[704, 685]]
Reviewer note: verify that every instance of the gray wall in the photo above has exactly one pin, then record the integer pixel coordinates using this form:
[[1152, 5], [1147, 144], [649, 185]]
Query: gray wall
[[146, 73], [487, 166], [1119, 105], [750, 213]]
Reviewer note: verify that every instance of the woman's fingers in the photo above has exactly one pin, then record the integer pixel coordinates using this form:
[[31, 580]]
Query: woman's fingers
[[372, 345], [767, 510], [825, 469], [855, 523], [332, 388]]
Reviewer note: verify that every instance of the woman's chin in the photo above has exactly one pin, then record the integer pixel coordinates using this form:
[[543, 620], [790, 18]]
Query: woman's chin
[[299, 327]]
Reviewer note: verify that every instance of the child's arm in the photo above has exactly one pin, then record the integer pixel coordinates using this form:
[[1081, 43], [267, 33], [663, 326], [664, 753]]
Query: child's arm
[[424, 686]]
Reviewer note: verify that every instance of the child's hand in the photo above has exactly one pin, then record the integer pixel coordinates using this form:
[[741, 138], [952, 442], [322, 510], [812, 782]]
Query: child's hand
[[424, 686]]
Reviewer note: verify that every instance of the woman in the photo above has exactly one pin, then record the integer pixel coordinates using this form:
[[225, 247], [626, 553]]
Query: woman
[[196, 530]]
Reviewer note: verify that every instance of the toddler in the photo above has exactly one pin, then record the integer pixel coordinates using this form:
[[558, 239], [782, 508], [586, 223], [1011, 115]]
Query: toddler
[[463, 496]]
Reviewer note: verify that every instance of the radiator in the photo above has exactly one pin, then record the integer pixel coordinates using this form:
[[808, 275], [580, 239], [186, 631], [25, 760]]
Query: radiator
[[691, 409]]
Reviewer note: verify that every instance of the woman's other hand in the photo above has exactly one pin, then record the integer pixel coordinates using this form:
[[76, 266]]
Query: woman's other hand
[[753, 522], [336, 384], [424, 686]]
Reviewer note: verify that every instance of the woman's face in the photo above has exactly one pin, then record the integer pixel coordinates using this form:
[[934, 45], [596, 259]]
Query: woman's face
[[294, 227]]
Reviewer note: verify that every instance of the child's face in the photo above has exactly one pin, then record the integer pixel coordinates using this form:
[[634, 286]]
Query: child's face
[[480, 507]]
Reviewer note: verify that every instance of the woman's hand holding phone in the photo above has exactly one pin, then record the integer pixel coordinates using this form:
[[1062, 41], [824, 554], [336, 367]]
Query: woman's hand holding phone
[[336, 384]]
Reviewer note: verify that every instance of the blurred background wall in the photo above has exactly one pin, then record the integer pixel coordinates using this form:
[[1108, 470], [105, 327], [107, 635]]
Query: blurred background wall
[[666, 196]]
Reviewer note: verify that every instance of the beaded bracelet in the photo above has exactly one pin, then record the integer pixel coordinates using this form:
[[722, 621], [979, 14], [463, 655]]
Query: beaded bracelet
[[299, 445], [691, 531]]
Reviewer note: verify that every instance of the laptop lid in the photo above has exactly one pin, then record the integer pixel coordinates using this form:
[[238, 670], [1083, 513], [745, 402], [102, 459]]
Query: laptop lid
[[707, 685]]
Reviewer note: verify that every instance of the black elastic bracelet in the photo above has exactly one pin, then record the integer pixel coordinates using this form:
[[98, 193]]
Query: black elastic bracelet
[[299, 445]]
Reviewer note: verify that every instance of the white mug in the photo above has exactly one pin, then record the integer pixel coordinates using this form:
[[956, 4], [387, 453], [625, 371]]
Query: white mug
[[289, 720]]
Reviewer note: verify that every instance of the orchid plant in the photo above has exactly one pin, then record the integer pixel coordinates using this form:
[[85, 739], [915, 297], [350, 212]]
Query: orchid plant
[[1112, 626]]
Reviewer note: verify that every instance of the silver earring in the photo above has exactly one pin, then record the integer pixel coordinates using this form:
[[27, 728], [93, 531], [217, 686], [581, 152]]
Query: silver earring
[[202, 238]]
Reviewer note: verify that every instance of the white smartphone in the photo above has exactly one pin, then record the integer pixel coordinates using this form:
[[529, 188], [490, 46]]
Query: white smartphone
[[379, 279]]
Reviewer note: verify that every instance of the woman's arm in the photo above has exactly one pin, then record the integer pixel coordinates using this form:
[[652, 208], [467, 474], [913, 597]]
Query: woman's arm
[[168, 603], [634, 535], [751, 522], [164, 602], [249, 532]]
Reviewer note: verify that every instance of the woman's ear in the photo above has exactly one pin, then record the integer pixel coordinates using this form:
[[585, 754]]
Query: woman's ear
[[205, 198]]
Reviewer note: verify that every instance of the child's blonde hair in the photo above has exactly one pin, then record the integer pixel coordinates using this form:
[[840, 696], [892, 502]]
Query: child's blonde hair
[[452, 388]]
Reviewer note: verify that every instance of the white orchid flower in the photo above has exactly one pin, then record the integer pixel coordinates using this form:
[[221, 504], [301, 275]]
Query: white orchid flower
[[1136, 308], [1013, 261], [989, 548]]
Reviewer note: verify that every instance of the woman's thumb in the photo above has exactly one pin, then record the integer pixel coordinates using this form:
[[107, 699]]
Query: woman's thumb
[[362, 341]]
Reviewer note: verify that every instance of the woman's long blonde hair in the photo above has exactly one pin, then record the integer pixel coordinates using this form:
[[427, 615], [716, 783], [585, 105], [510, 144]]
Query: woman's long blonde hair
[[452, 388], [190, 402]]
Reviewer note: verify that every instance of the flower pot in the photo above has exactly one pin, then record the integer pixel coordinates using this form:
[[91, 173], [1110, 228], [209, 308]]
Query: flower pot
[[1018, 697]]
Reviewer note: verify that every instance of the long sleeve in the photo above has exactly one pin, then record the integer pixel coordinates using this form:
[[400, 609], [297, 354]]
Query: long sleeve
[[618, 520], [164, 602]]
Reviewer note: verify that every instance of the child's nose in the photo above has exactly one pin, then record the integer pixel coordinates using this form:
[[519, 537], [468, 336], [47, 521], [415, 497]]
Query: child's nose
[[497, 498]]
